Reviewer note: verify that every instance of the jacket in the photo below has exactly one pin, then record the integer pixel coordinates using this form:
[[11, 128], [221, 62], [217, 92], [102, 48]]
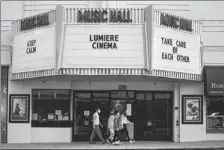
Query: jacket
[[117, 122]]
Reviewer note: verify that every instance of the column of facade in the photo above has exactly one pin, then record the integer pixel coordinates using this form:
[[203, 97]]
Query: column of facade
[[176, 114]]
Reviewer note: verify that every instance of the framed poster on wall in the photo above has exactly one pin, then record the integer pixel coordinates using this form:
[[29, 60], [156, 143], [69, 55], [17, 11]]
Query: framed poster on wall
[[19, 108], [192, 109]]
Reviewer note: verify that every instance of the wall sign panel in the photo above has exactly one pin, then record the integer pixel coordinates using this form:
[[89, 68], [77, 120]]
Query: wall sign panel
[[174, 45], [175, 51], [34, 50], [104, 46]]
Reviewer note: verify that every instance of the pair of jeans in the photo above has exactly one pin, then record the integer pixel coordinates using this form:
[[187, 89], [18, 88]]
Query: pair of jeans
[[97, 131], [111, 137], [116, 136], [126, 131]]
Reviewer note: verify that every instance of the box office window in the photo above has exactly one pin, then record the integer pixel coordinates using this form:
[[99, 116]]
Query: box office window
[[215, 114], [50, 108]]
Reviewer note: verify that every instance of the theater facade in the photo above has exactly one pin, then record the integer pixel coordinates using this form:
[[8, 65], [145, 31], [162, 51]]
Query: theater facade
[[68, 60]]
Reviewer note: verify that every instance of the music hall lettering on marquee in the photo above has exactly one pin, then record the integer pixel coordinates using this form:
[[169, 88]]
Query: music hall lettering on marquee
[[176, 22], [101, 16], [35, 22]]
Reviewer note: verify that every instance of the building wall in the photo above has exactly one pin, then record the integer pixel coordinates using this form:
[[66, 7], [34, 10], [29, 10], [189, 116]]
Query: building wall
[[192, 132], [149, 86], [22, 132], [36, 7], [213, 55], [196, 132], [6, 42], [187, 132], [35, 135], [11, 10], [212, 38]]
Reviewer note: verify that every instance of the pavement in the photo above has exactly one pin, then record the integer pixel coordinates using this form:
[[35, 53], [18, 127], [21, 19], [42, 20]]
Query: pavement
[[208, 145]]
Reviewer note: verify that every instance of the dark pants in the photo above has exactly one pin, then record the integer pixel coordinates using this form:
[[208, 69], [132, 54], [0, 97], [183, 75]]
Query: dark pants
[[125, 130], [97, 131], [116, 135]]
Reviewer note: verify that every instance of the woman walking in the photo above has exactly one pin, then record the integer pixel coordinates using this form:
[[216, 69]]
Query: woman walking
[[117, 127], [124, 122], [111, 127]]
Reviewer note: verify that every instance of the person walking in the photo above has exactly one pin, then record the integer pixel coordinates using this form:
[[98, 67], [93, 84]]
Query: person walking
[[124, 122], [96, 128], [117, 127], [111, 127]]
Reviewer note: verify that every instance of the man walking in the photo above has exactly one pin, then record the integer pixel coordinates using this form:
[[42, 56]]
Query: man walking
[[96, 128]]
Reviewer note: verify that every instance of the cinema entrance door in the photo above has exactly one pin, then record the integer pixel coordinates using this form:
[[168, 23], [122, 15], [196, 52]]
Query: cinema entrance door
[[151, 113]]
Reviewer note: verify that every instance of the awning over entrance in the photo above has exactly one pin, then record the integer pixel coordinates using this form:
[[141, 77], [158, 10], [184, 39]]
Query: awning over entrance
[[214, 81]]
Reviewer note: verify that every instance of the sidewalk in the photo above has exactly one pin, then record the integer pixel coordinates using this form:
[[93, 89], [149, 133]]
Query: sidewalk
[[219, 145]]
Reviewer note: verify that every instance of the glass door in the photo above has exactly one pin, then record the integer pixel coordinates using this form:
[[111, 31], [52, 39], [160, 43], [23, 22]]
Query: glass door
[[144, 117], [83, 111], [85, 104], [162, 124], [101, 100], [126, 100], [153, 116]]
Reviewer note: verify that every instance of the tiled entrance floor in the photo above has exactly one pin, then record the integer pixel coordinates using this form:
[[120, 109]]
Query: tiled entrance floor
[[137, 145]]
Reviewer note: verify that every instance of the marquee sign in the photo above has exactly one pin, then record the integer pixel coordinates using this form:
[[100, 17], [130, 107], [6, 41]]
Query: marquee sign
[[107, 46], [175, 51], [174, 45]]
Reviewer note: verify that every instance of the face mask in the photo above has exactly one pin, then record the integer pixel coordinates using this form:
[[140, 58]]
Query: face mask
[[99, 111]]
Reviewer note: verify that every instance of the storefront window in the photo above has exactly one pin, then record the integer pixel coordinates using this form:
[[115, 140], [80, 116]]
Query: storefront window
[[215, 114], [50, 108], [3, 103]]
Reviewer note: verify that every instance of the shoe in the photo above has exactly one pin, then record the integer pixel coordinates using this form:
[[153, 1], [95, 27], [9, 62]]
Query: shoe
[[104, 142], [92, 142], [111, 142], [131, 141]]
